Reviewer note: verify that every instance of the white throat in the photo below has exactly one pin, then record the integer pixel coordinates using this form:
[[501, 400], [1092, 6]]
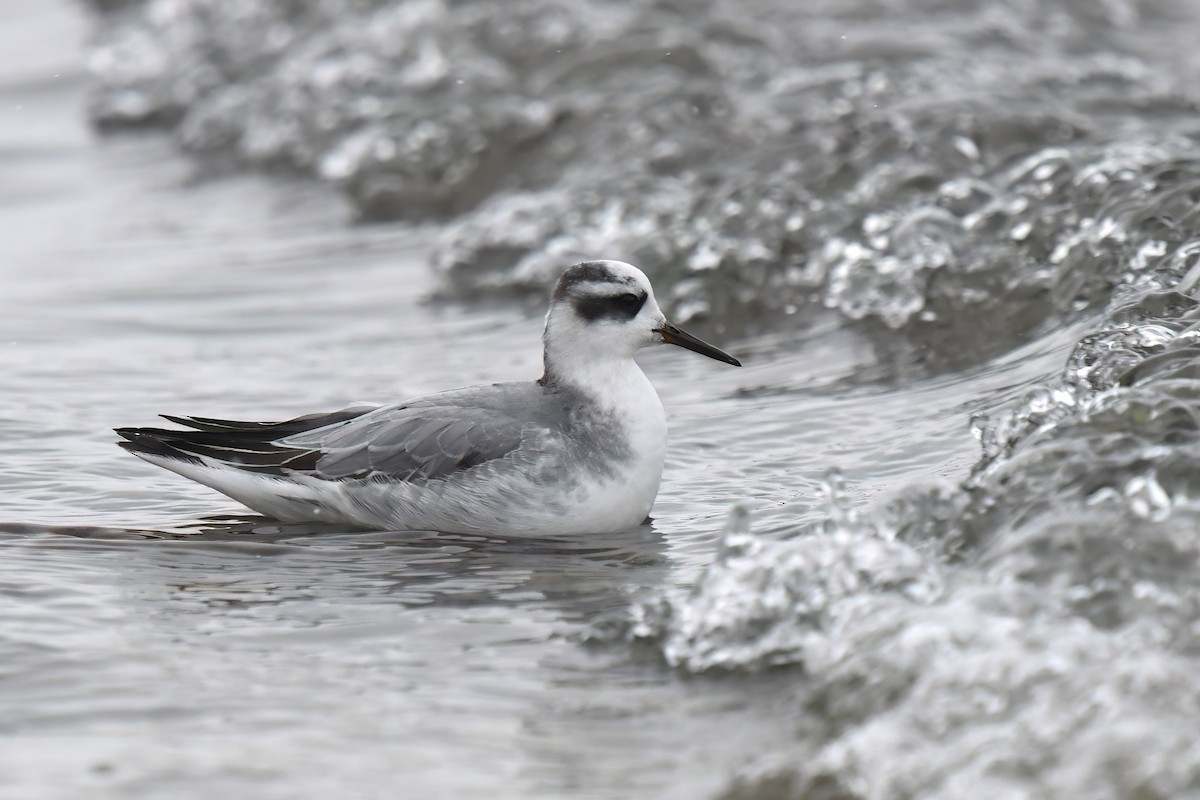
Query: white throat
[[615, 383]]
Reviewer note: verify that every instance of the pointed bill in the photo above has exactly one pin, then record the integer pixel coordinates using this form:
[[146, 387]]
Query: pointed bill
[[674, 335]]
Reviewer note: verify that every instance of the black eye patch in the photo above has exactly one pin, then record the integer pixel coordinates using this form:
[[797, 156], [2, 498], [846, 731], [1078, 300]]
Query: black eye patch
[[619, 307]]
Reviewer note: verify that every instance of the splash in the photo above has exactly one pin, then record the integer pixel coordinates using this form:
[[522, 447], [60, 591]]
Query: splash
[[755, 160], [1029, 632]]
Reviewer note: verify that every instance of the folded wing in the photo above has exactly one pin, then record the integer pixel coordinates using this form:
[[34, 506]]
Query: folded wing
[[412, 443], [406, 443]]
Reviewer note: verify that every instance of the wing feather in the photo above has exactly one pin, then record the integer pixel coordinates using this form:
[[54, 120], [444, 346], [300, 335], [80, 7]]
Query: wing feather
[[423, 440], [417, 442]]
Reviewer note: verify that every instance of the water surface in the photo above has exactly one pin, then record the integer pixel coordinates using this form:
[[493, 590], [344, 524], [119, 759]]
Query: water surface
[[155, 639]]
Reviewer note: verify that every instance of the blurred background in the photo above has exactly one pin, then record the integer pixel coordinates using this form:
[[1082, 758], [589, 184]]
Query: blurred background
[[955, 243]]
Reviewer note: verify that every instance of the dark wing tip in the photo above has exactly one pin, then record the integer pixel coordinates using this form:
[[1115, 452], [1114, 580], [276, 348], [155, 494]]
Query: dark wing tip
[[237, 449], [213, 425], [142, 441]]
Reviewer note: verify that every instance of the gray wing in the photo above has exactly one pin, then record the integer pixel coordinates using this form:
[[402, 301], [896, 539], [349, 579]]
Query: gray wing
[[413, 442]]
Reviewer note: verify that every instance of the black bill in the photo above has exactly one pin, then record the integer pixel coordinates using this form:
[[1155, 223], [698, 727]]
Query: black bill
[[673, 335]]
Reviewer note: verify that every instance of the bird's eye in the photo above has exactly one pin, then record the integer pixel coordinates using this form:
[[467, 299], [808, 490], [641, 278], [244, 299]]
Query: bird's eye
[[629, 304], [629, 300]]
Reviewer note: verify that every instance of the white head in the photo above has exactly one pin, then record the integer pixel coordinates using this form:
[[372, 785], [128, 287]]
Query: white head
[[605, 311]]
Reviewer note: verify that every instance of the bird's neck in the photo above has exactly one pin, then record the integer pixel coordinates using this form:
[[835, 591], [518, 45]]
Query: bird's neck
[[611, 382]]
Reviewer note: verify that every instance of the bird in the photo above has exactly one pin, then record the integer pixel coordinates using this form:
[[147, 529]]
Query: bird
[[580, 450]]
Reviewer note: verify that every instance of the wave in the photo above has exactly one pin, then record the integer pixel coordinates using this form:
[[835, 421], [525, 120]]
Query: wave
[[956, 185]]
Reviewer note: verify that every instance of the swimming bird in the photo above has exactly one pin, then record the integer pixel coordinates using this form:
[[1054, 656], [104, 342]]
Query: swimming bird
[[580, 450]]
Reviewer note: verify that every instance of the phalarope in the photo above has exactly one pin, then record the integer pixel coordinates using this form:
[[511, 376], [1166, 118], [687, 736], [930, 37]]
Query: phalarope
[[581, 450]]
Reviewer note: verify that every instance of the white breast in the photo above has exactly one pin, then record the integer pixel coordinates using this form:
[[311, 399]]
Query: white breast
[[624, 500]]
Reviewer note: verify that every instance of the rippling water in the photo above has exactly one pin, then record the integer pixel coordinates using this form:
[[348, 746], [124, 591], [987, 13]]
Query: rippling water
[[960, 265]]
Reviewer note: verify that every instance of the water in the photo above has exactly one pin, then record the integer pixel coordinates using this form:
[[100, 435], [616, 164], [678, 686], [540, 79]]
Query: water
[[947, 265]]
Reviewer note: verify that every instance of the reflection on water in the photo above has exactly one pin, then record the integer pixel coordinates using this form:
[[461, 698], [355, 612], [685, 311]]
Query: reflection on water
[[252, 560], [148, 659]]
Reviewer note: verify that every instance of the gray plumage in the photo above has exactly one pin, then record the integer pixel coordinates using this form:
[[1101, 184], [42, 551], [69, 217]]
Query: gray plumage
[[436, 437], [580, 450]]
